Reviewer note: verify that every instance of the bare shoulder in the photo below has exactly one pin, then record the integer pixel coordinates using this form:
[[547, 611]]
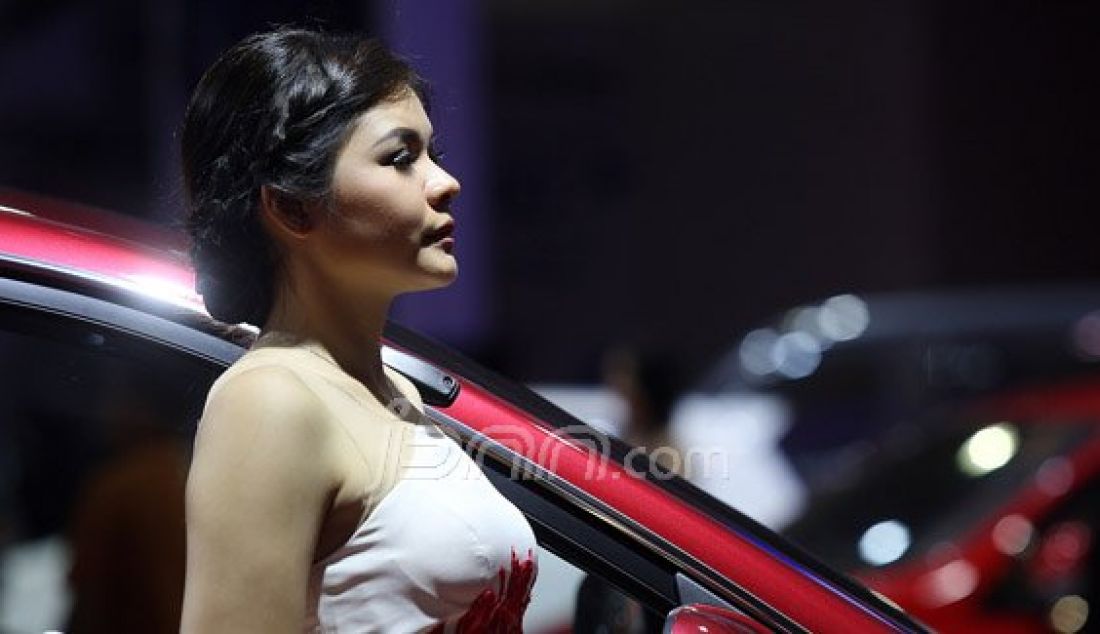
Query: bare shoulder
[[271, 396], [264, 418]]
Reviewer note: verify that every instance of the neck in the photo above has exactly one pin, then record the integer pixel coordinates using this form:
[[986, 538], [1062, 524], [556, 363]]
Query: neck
[[349, 334]]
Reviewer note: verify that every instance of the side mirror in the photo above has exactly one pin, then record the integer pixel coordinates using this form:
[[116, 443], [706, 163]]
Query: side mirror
[[699, 618]]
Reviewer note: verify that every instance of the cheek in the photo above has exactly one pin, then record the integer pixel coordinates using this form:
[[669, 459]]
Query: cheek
[[384, 208], [370, 227], [358, 220]]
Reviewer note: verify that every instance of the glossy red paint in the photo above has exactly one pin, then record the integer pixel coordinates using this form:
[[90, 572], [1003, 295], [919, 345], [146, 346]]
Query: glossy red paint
[[101, 220], [751, 566], [163, 274], [707, 619]]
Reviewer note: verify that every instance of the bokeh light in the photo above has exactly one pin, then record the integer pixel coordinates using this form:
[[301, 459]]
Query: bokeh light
[[884, 543], [1012, 534], [988, 449], [1069, 614], [756, 352], [843, 317], [796, 355]]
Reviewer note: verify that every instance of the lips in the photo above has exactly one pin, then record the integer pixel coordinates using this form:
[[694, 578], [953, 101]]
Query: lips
[[441, 234]]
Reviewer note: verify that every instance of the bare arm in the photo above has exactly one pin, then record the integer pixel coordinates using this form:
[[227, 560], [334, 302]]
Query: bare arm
[[260, 482]]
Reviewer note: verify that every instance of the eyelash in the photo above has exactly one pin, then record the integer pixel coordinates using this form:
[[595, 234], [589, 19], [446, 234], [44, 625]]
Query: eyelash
[[404, 158]]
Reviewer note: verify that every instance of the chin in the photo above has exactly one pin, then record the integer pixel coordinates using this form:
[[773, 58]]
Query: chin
[[427, 274], [449, 278], [439, 278]]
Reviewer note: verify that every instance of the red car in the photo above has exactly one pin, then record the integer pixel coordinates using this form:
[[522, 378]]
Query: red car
[[983, 519], [106, 347]]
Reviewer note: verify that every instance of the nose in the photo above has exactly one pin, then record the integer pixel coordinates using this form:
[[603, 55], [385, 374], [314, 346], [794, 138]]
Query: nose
[[441, 188]]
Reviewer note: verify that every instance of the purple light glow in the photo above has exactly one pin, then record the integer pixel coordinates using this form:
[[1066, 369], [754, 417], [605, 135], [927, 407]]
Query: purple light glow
[[442, 39]]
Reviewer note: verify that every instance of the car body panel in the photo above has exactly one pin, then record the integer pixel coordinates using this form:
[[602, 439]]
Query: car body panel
[[125, 264]]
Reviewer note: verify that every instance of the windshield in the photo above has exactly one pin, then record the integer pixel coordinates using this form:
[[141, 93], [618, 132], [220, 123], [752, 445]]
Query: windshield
[[927, 489]]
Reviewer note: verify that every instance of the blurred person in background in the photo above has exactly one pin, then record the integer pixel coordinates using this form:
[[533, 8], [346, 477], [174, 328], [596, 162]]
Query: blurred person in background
[[646, 382], [127, 533]]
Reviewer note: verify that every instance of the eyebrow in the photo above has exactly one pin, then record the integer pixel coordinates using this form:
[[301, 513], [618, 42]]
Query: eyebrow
[[405, 134]]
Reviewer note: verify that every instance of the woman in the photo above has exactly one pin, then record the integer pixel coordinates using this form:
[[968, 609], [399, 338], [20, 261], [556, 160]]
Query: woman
[[319, 497]]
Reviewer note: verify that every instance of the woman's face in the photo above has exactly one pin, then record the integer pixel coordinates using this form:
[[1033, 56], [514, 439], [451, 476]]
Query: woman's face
[[390, 228]]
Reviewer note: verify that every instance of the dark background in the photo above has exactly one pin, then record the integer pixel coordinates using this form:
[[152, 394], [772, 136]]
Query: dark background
[[668, 173]]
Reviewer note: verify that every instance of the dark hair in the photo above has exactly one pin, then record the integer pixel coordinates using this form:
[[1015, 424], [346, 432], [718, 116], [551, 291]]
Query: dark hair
[[273, 110]]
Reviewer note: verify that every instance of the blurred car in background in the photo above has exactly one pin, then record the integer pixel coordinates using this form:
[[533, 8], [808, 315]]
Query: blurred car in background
[[845, 369], [106, 356], [982, 518], [950, 445]]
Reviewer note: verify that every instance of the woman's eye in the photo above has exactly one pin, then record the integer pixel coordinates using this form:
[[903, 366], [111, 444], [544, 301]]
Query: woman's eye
[[402, 158]]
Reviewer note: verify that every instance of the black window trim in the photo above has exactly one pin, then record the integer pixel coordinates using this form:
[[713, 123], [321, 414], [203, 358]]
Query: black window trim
[[119, 318]]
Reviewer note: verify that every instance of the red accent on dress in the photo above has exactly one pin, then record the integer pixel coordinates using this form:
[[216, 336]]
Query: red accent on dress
[[500, 611]]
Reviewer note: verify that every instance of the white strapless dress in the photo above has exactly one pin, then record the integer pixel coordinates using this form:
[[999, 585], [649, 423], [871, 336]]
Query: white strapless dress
[[443, 551]]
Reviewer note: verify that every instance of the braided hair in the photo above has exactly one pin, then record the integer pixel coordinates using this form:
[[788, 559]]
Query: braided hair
[[273, 110]]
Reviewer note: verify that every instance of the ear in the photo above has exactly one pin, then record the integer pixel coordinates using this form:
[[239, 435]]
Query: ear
[[285, 214]]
